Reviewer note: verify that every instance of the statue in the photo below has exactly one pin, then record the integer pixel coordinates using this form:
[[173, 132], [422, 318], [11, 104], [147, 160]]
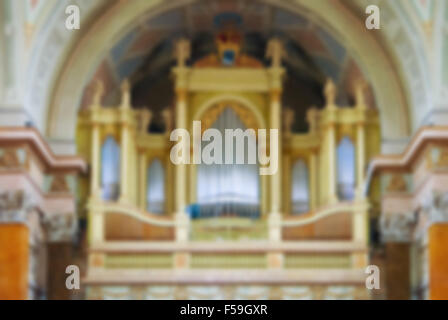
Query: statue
[[276, 52], [168, 120], [182, 52], [330, 93], [288, 120], [144, 121], [125, 94], [311, 118], [98, 93], [360, 87]]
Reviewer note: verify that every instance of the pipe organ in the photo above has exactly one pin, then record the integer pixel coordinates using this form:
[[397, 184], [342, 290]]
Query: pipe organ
[[311, 222]]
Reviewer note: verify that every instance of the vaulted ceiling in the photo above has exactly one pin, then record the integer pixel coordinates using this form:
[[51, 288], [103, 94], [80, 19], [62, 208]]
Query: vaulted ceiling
[[145, 53]]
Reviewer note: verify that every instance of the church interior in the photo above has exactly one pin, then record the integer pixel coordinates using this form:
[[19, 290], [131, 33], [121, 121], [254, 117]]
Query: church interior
[[87, 178]]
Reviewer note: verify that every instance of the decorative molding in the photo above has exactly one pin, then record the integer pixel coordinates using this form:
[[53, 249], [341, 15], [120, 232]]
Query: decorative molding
[[227, 292], [9, 158], [32, 136], [406, 159], [59, 184], [397, 183]]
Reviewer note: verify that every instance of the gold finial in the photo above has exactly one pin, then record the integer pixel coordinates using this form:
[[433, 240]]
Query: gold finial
[[275, 52], [144, 121], [360, 87], [168, 119], [182, 52], [125, 94], [311, 117], [98, 93], [330, 93], [288, 120]]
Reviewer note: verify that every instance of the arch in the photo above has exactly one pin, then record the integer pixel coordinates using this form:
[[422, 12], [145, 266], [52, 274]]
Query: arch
[[247, 103], [110, 169], [300, 187], [346, 169], [388, 85], [155, 193]]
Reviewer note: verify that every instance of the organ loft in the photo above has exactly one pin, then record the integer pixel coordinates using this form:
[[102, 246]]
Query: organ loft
[[193, 222], [323, 150]]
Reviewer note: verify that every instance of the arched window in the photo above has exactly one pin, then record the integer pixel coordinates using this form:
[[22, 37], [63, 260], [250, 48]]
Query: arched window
[[346, 169], [110, 169], [155, 194], [300, 189]]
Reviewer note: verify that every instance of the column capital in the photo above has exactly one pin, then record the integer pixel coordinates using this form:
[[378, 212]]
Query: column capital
[[14, 207], [61, 227], [436, 208], [397, 227]]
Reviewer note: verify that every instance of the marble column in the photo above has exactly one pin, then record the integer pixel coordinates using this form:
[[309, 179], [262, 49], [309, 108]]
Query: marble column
[[60, 232], [437, 236], [396, 232], [14, 246]]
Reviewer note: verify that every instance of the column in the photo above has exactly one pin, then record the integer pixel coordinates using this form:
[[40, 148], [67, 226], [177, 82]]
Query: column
[[287, 181], [276, 52], [143, 179], [330, 93], [313, 180], [275, 216], [182, 52], [60, 255], [276, 179], [437, 235], [331, 140], [14, 248], [360, 156], [124, 181], [181, 169], [95, 187], [125, 110], [396, 232], [182, 218]]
